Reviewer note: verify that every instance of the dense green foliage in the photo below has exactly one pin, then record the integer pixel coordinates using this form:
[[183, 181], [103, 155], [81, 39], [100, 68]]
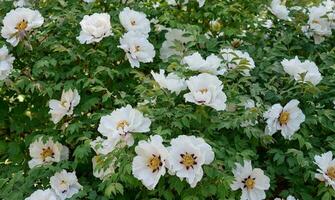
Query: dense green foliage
[[53, 59]]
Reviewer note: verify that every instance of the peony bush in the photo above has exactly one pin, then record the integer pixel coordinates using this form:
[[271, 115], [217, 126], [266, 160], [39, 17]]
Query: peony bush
[[167, 99]]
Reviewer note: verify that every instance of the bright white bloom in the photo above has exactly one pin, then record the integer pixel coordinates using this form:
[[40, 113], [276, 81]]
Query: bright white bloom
[[288, 198], [47, 194], [149, 164], [326, 170], [211, 65], [174, 3], [46, 152], [249, 103], [94, 28], [103, 146], [236, 58], [287, 119], [134, 21], [319, 24], [187, 154], [18, 22], [102, 172], [89, 1], [65, 184], [122, 122], [21, 3], [306, 71], [169, 47], [6, 62], [279, 10], [58, 109], [138, 48], [206, 89], [171, 82], [252, 182], [268, 24]]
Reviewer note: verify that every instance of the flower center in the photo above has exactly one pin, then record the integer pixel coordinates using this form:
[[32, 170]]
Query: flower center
[[284, 117], [21, 26], [133, 22], [122, 124], [155, 163], [204, 90], [188, 160], [249, 183], [137, 48], [331, 172], [63, 103], [47, 152]]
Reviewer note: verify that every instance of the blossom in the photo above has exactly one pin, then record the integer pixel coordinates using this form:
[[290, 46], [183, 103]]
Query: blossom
[[138, 48], [122, 122], [6, 62], [103, 146], [174, 3], [172, 81], [21, 3], [46, 152], [206, 89], [169, 47], [101, 173], [89, 1], [18, 22], [287, 119], [267, 24], [187, 154], [319, 24], [58, 109], [279, 10], [211, 65], [150, 162], [306, 71], [134, 21], [290, 197], [65, 184], [252, 182], [47, 194], [94, 28], [236, 58], [249, 103], [326, 170]]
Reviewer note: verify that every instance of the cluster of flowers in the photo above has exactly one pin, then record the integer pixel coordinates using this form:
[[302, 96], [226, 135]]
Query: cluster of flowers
[[187, 154], [320, 18]]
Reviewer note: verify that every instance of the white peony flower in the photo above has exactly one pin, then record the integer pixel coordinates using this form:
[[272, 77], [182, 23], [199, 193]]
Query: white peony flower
[[103, 172], [171, 82], [252, 182], [103, 146], [236, 58], [306, 71], [65, 184], [122, 122], [6, 62], [290, 197], [89, 1], [94, 28], [286, 119], [174, 3], [174, 38], [326, 170], [47, 194], [206, 89], [187, 154], [46, 152], [319, 25], [18, 22], [249, 103], [21, 3], [58, 109], [267, 24], [138, 48], [150, 162], [211, 65], [134, 21], [279, 10]]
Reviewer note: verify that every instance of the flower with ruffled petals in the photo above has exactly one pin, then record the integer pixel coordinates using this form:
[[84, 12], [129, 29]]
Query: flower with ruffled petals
[[6, 63], [134, 21], [65, 184], [212, 64], [326, 170], [47, 194], [171, 82]]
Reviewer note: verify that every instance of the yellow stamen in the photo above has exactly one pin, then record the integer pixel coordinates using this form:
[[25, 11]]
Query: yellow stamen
[[21, 26], [283, 118], [331, 172], [188, 160], [46, 152], [122, 124], [250, 183], [154, 163]]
